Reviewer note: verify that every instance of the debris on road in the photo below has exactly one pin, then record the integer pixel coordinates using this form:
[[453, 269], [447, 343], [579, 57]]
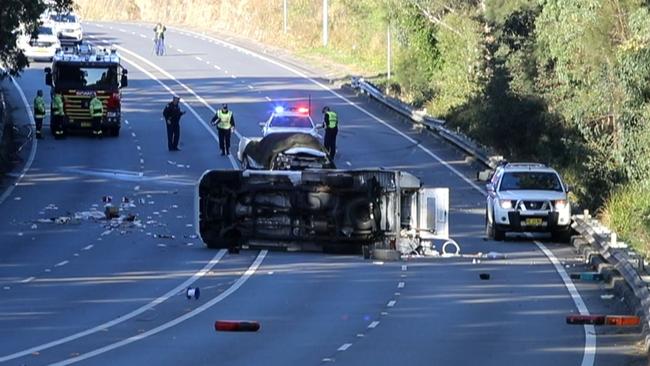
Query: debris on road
[[607, 296], [192, 293], [164, 236], [494, 255], [484, 276]]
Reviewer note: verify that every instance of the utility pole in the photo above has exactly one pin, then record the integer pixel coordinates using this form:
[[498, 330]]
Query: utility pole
[[388, 51], [325, 35], [284, 17]]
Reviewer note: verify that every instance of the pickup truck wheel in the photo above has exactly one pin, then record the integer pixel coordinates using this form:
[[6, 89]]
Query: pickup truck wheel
[[492, 232]]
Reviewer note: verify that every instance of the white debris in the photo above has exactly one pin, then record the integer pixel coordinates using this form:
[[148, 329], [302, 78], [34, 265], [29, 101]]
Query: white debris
[[34, 226], [162, 245], [107, 232], [17, 198], [495, 255], [51, 206], [607, 296]]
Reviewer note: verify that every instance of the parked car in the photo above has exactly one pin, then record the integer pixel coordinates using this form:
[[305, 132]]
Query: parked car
[[527, 197], [42, 47]]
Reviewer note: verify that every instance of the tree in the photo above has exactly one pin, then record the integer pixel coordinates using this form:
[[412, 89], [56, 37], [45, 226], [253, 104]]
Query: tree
[[13, 15]]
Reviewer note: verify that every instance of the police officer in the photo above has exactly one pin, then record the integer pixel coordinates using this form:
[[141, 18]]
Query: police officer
[[39, 113], [331, 125], [57, 117], [172, 114], [225, 122]]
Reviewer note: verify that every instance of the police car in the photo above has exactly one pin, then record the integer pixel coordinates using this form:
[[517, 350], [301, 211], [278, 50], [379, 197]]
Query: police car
[[290, 120], [290, 142]]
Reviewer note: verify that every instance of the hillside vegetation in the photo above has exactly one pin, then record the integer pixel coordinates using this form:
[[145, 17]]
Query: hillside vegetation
[[562, 82]]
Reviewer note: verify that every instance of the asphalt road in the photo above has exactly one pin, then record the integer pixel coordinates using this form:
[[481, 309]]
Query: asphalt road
[[90, 293]]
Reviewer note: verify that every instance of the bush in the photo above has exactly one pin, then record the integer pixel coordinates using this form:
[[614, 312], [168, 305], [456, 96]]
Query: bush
[[627, 212]]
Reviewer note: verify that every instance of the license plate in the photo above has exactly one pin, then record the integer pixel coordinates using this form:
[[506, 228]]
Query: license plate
[[535, 221], [85, 124], [41, 50]]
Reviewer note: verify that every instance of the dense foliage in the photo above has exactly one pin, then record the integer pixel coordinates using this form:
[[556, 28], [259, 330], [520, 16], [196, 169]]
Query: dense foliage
[[13, 14]]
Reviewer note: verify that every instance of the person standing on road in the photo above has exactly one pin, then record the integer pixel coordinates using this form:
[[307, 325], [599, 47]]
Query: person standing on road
[[39, 113], [56, 119], [97, 114], [331, 125], [159, 39], [172, 114], [225, 122]]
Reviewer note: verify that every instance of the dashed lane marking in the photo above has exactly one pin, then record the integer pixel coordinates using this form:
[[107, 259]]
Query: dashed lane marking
[[88, 247], [344, 347], [373, 324], [400, 285], [173, 292], [267, 98], [391, 303]]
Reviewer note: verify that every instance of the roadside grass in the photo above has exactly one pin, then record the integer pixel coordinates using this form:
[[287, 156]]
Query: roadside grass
[[627, 212]]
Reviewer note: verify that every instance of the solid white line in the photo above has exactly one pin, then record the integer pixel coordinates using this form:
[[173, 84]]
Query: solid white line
[[373, 324], [235, 286], [391, 303], [32, 152], [63, 263], [170, 76], [189, 107], [88, 247], [589, 355], [400, 285], [344, 347], [122, 318], [28, 279]]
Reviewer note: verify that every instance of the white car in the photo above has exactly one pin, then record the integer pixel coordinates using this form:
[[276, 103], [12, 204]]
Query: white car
[[43, 47], [67, 27], [527, 197], [293, 120]]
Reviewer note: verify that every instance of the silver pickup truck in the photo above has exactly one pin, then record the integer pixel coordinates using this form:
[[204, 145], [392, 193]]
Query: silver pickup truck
[[334, 209]]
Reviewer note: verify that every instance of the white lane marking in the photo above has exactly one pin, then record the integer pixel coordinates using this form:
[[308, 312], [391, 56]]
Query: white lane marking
[[232, 160], [404, 267], [348, 101], [123, 318], [267, 98], [179, 50], [28, 279], [373, 324], [235, 286], [138, 147], [198, 58], [208, 62], [126, 121], [391, 303], [32, 152], [88, 247], [233, 76], [133, 33], [225, 71], [62, 263], [217, 67], [348, 163], [198, 97], [250, 87], [143, 36], [141, 161], [122, 30], [400, 285], [133, 134], [589, 355], [344, 347]]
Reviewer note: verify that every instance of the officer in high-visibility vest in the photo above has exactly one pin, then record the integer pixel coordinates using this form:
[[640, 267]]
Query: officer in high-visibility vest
[[225, 122], [96, 113], [57, 117], [39, 113], [331, 125]]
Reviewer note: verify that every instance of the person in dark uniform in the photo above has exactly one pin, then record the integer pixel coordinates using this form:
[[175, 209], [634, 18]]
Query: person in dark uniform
[[225, 122], [331, 125], [172, 114]]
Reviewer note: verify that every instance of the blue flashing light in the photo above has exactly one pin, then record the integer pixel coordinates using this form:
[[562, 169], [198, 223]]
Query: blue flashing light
[[279, 109]]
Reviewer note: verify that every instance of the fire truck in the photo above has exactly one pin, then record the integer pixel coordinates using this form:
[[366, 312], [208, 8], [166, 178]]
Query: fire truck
[[79, 71]]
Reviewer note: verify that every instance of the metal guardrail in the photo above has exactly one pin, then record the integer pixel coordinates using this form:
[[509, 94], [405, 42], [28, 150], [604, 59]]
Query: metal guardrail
[[481, 153], [625, 261], [3, 114]]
